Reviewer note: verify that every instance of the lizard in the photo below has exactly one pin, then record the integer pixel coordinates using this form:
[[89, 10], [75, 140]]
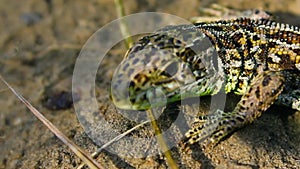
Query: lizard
[[252, 56]]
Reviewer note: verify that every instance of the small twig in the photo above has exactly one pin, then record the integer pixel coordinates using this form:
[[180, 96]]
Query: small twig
[[96, 153], [76, 149], [161, 141], [119, 137]]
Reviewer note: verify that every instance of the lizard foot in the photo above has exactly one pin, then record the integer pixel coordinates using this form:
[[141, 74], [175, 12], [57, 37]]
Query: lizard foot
[[210, 129]]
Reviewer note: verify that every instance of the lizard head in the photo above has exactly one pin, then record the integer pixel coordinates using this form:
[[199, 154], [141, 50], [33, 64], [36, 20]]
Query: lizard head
[[155, 68]]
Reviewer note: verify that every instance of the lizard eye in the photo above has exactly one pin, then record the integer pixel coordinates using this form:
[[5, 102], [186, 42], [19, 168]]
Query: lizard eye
[[171, 69]]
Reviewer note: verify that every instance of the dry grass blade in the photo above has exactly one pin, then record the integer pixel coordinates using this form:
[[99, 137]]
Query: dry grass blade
[[118, 138], [96, 153], [77, 150]]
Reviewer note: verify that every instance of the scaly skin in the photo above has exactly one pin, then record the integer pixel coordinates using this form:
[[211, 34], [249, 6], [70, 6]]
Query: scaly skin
[[251, 56]]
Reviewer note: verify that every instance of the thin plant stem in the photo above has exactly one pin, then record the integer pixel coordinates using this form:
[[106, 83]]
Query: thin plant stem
[[161, 141], [123, 25]]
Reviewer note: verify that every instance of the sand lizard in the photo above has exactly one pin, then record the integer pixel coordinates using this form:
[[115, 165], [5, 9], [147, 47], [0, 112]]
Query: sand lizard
[[251, 56]]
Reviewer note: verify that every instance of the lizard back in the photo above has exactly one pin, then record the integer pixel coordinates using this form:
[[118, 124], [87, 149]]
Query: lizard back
[[183, 61]]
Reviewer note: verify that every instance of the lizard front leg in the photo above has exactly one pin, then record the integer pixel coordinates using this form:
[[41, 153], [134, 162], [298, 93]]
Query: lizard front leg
[[262, 92], [290, 96]]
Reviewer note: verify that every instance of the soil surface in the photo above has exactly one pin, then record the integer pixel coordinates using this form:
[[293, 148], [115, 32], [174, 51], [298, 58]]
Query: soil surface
[[39, 44]]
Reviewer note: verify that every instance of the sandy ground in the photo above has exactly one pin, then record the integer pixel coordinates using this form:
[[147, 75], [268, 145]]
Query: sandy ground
[[39, 43]]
